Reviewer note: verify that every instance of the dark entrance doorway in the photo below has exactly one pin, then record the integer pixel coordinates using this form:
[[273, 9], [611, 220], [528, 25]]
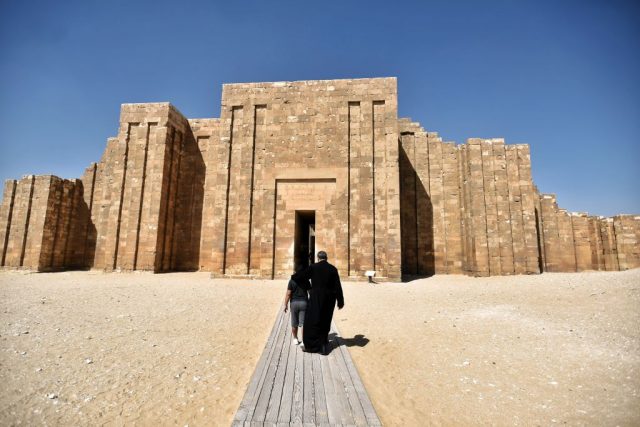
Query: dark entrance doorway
[[305, 238]]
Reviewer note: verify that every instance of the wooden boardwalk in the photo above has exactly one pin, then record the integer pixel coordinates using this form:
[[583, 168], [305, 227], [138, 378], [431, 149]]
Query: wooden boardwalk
[[292, 388]]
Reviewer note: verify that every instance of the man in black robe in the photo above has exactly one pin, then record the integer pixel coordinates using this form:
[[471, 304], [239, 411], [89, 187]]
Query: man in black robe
[[326, 290]]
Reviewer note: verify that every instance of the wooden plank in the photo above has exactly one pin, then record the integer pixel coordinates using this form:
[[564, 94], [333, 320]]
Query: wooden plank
[[333, 410], [353, 400], [290, 387], [318, 390], [309, 401], [298, 391], [275, 401], [284, 414], [367, 406], [266, 389], [343, 408], [245, 411]]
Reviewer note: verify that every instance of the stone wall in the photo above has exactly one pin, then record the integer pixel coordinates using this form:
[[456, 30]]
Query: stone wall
[[466, 208], [474, 209], [579, 242], [221, 195], [37, 223], [149, 175], [307, 132]]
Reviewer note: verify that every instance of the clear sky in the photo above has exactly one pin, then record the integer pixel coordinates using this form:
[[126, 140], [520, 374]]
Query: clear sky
[[562, 76]]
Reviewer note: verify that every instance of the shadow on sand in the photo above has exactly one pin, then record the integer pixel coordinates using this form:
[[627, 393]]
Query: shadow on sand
[[336, 341]]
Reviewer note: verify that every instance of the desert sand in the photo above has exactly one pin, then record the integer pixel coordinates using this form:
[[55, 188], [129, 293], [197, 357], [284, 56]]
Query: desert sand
[[169, 349], [560, 348], [84, 348]]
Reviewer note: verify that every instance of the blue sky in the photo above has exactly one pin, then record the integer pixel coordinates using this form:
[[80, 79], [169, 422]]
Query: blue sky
[[562, 76]]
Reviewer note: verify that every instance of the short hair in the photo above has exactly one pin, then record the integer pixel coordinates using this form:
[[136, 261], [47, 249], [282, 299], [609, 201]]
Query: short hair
[[322, 255]]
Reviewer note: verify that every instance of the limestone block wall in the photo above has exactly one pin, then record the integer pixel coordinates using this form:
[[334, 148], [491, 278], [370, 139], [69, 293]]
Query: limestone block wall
[[466, 208], [214, 154], [499, 212], [221, 195], [627, 229], [36, 220], [431, 201], [149, 175], [473, 208], [308, 132], [579, 242]]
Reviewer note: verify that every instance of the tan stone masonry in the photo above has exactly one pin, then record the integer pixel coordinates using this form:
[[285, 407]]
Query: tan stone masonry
[[223, 194]]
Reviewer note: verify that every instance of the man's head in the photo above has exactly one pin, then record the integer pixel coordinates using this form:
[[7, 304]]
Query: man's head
[[322, 256]]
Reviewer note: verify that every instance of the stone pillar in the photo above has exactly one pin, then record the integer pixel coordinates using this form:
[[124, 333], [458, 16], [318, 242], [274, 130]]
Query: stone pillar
[[475, 192], [627, 232], [528, 194], [437, 196], [582, 241], [6, 216], [451, 207], [595, 243], [503, 207]]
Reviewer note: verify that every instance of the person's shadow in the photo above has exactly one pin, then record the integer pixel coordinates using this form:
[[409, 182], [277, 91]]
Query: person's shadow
[[336, 341]]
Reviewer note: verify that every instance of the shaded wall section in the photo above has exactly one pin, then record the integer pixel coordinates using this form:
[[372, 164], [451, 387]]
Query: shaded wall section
[[150, 175], [473, 209], [139, 208]]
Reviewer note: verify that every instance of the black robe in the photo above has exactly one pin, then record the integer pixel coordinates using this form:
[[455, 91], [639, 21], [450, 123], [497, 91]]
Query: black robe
[[326, 290]]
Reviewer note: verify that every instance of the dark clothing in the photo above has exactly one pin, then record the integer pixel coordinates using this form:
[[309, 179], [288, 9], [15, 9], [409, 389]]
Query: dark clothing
[[298, 292], [326, 290]]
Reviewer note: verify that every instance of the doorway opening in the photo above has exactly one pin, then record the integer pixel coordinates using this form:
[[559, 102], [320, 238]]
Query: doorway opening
[[305, 239]]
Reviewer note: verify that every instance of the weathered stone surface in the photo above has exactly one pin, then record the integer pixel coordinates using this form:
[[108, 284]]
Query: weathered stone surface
[[222, 195]]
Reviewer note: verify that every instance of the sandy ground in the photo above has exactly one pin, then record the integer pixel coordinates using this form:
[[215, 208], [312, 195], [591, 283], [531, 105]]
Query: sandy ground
[[92, 349], [524, 350], [175, 349]]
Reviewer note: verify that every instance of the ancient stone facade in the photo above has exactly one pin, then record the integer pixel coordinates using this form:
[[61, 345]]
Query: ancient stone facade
[[294, 167]]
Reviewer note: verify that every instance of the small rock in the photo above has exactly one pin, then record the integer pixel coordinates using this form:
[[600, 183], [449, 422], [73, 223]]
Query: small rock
[[196, 378], [38, 369], [23, 353], [88, 361], [25, 332], [52, 396]]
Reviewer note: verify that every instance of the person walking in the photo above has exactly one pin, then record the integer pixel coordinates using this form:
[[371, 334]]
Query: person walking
[[297, 298], [326, 291]]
